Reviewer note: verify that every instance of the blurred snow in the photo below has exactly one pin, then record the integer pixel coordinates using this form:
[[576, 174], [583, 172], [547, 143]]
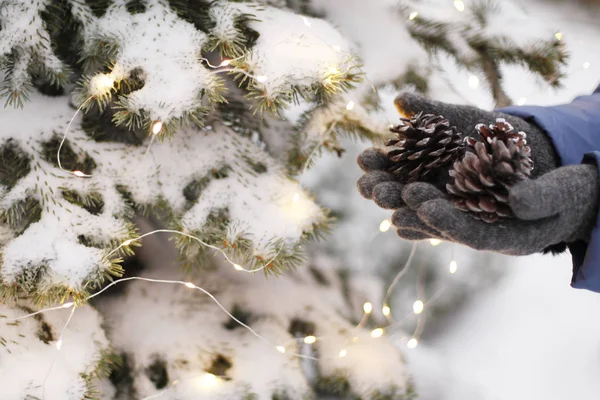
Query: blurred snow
[[530, 336]]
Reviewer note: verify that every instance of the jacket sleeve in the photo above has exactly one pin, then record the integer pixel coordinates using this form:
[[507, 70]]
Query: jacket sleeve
[[575, 132]]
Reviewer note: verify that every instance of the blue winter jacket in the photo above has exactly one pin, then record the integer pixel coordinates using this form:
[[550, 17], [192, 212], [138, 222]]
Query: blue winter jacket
[[575, 131]]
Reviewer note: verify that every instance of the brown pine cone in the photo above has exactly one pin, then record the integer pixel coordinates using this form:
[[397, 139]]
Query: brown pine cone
[[488, 169], [424, 144]]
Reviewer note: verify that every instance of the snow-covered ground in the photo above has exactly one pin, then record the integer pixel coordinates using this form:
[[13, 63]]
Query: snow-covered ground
[[531, 336]]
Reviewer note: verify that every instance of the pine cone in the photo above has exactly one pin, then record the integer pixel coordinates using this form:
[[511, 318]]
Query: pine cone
[[488, 169], [425, 143]]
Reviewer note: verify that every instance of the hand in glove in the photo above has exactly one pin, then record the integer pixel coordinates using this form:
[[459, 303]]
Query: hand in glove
[[558, 205]]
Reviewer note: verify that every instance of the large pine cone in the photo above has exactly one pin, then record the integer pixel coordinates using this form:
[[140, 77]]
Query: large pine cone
[[425, 143], [489, 168]]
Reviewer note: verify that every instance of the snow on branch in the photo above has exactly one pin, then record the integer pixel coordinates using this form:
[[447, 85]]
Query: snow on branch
[[33, 367], [290, 55], [212, 183], [189, 349]]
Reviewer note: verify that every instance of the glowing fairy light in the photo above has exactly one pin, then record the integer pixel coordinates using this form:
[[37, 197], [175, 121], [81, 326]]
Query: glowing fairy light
[[100, 84], [80, 174], [280, 349], [225, 63], [157, 127], [386, 311], [336, 48], [586, 65], [127, 242], [413, 15], [385, 225], [473, 82], [68, 305], [350, 105], [558, 35], [306, 21], [59, 343], [262, 78], [418, 307], [296, 198], [522, 101], [459, 5], [209, 380], [189, 285], [453, 267], [368, 307], [343, 353], [310, 339], [434, 242], [412, 343], [376, 333], [238, 267]]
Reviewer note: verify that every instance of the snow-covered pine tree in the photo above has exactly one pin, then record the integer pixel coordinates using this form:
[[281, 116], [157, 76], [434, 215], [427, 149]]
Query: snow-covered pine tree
[[176, 111]]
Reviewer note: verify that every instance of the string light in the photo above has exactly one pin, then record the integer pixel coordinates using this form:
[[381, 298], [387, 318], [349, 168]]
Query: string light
[[473, 81], [385, 225], [350, 106], [209, 380], [399, 276], [80, 174], [368, 307], [59, 344], [281, 349], [157, 127], [586, 65], [262, 78], [434, 242], [310, 339], [412, 343], [386, 310], [522, 101], [225, 63], [68, 305], [296, 197], [376, 333], [418, 307], [100, 84], [558, 36], [238, 267], [453, 267], [343, 353], [413, 15], [306, 21], [189, 285], [459, 5]]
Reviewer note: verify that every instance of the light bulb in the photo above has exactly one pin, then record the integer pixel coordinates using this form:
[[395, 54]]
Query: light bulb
[[296, 198], [434, 242], [418, 307], [190, 285], [453, 267], [586, 65], [127, 242], [100, 84], [385, 225], [306, 21], [375, 333], [413, 15], [281, 349], [238, 267], [225, 63], [68, 305], [459, 5], [157, 127], [473, 81], [261, 78], [412, 343], [343, 353], [59, 344], [522, 101], [209, 379], [558, 35], [386, 310], [79, 174], [368, 307], [350, 105], [310, 339]]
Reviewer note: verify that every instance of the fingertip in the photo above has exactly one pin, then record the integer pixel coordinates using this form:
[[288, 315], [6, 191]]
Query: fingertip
[[416, 194], [388, 195], [409, 103], [368, 181], [372, 159], [528, 201]]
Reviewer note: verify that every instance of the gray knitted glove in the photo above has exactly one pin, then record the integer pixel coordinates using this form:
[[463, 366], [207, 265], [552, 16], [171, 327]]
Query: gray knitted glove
[[559, 206]]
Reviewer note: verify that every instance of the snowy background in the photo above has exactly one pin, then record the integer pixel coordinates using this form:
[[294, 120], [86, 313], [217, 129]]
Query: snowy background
[[526, 334]]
